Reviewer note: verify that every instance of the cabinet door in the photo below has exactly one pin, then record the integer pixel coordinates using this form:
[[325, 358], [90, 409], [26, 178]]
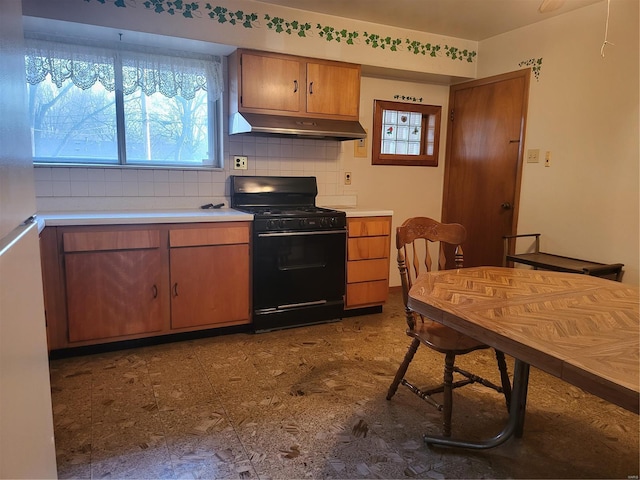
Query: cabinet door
[[209, 285], [333, 89], [271, 83], [113, 293]]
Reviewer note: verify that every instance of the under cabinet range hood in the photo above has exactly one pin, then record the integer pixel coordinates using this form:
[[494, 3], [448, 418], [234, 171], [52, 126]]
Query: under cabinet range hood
[[266, 124]]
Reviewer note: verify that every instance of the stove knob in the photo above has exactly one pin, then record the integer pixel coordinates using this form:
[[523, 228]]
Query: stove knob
[[282, 223], [271, 224], [332, 221], [303, 222], [323, 221]]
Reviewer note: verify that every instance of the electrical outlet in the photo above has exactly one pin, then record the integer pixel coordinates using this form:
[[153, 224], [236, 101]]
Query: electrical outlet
[[240, 162], [533, 156], [347, 178], [547, 159]]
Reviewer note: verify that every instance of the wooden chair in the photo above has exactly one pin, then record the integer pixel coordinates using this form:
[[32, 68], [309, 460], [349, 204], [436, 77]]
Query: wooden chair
[[414, 237]]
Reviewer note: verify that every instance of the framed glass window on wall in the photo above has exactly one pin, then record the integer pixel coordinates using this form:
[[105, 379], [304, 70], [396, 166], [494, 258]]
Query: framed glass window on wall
[[91, 105], [405, 133]]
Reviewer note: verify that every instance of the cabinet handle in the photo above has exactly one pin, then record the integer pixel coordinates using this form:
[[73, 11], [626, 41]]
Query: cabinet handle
[[154, 289], [311, 88], [295, 86], [175, 289]]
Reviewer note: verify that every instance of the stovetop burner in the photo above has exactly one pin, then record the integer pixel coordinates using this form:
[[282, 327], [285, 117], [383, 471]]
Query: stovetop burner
[[287, 210], [283, 204]]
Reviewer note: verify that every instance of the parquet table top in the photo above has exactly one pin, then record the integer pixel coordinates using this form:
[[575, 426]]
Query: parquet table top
[[582, 329]]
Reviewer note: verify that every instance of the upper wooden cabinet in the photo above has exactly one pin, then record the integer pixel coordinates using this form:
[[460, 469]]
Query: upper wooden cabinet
[[262, 82], [333, 89]]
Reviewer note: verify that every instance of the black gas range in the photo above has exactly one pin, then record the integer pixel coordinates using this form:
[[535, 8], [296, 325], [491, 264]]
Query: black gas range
[[298, 252]]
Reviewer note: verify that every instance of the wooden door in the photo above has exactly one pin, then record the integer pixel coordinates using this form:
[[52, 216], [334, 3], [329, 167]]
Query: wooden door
[[333, 89], [271, 83], [209, 285], [483, 169]]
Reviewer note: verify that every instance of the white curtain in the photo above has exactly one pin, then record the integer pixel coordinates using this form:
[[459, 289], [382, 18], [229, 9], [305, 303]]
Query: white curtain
[[182, 75]]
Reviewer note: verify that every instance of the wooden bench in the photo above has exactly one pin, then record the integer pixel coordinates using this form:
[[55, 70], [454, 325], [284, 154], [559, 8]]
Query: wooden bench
[[548, 261]]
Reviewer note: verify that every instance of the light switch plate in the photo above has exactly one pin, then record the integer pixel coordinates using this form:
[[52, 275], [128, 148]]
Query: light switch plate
[[360, 147]]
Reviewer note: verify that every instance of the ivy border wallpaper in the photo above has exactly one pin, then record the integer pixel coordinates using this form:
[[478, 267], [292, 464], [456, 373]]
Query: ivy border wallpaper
[[294, 27]]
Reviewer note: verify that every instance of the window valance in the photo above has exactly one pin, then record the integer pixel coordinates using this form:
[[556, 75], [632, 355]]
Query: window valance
[[179, 75]]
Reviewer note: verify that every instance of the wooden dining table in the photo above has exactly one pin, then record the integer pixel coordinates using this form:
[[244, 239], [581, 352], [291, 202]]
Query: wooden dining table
[[581, 329]]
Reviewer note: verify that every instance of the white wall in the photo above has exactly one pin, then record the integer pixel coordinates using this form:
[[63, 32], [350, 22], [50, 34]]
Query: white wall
[[584, 110], [408, 191]]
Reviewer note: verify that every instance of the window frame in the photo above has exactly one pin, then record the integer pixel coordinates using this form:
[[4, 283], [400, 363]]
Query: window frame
[[423, 159], [215, 147]]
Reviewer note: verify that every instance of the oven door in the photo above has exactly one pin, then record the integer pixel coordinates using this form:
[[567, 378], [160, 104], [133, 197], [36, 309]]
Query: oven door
[[299, 271]]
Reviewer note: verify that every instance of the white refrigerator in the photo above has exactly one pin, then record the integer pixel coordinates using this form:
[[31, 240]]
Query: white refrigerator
[[27, 448]]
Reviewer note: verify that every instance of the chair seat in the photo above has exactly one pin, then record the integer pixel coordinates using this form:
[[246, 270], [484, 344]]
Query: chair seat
[[444, 339]]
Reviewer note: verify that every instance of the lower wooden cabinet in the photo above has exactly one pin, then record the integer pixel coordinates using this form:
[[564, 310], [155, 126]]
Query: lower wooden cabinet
[[368, 244], [111, 283], [209, 276]]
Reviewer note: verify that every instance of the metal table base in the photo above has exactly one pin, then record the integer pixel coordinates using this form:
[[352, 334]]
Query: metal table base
[[514, 425]]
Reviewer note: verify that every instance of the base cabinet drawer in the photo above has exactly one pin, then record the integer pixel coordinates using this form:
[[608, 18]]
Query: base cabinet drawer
[[364, 248], [367, 293], [367, 270], [368, 244]]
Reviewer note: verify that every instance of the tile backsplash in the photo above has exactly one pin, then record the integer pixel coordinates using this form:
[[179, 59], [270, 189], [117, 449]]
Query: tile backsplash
[[127, 188]]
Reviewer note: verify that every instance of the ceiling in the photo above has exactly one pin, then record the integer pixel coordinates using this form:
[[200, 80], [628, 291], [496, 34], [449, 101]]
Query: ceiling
[[468, 19]]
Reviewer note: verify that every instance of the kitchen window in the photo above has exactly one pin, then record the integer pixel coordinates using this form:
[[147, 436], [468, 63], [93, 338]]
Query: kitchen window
[[405, 134], [101, 106]]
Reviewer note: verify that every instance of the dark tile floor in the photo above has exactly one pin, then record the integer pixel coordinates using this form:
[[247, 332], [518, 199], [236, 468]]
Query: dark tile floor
[[310, 403]]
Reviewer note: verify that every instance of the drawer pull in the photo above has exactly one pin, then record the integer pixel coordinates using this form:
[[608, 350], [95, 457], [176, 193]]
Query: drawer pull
[[175, 289], [154, 289]]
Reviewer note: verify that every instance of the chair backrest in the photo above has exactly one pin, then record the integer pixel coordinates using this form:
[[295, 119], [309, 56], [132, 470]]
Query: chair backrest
[[412, 242]]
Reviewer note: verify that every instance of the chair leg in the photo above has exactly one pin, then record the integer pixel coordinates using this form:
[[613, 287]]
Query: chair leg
[[504, 377], [403, 368], [449, 361]]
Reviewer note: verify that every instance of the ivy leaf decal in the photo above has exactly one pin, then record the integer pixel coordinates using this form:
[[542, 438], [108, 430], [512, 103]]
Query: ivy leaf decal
[[275, 24]]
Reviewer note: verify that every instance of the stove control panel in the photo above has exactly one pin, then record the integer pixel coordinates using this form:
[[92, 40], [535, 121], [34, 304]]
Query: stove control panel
[[300, 223]]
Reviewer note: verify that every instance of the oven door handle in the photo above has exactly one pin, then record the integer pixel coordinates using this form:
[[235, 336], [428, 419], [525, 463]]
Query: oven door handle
[[298, 234]]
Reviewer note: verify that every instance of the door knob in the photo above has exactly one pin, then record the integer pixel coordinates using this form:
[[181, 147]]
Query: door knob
[[506, 206]]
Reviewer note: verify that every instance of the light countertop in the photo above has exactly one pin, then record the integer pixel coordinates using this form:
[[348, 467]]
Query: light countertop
[[170, 216], [356, 211], [142, 216]]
